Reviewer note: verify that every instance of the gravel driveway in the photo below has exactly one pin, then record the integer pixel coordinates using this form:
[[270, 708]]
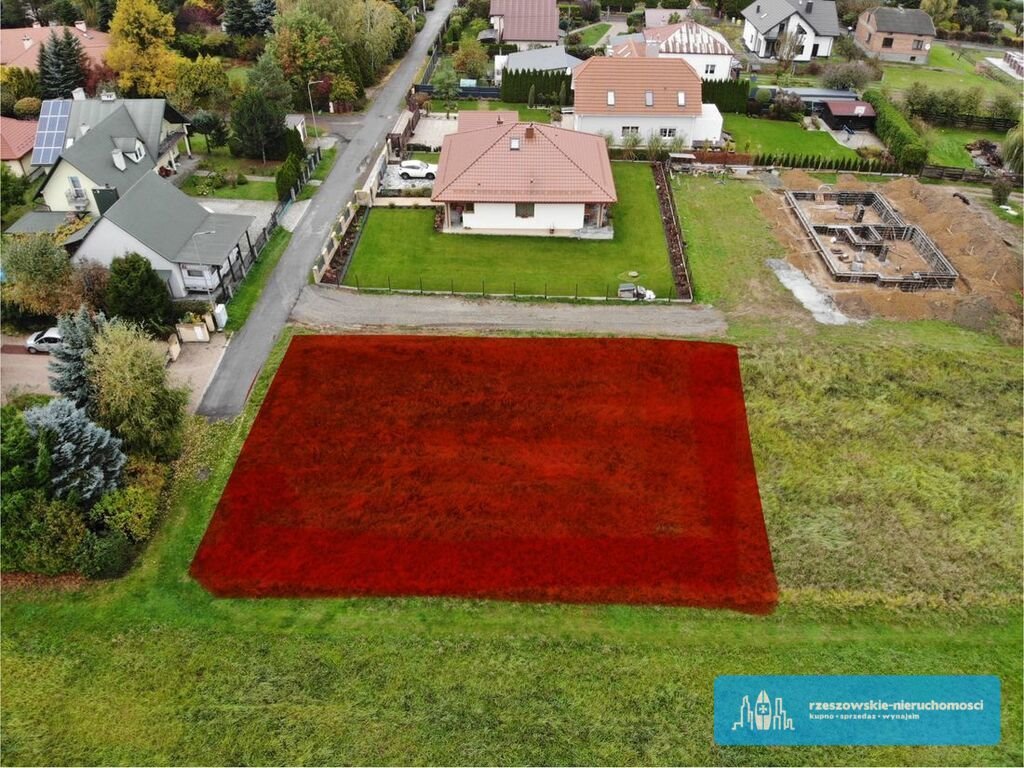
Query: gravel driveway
[[330, 307]]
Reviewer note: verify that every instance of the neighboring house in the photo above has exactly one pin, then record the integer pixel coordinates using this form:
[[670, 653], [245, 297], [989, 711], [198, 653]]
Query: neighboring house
[[896, 34], [192, 249], [643, 96], [19, 47], [103, 148], [703, 49], [525, 23], [525, 179], [17, 138], [298, 122], [551, 59], [814, 22]]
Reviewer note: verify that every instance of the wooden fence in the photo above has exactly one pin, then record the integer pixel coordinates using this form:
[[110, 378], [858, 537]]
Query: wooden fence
[[973, 175]]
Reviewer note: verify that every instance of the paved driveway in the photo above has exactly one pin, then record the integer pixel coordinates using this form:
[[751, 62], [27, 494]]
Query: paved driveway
[[325, 306]]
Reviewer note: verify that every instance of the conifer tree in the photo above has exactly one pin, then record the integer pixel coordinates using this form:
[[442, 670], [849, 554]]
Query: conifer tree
[[240, 18], [69, 374], [265, 11]]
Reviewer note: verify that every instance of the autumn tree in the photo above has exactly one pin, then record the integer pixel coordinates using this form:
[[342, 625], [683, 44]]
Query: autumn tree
[[787, 47], [446, 86], [940, 10], [38, 275], [471, 60], [306, 48], [202, 84], [139, 53]]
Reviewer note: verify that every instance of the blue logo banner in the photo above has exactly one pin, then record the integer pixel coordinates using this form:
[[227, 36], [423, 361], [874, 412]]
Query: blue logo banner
[[857, 710]]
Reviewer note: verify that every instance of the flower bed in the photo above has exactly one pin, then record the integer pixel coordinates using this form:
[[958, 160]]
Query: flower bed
[[579, 470]]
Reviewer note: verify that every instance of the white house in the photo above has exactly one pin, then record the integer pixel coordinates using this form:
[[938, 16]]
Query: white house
[[814, 22], [643, 96], [703, 49], [550, 59], [194, 250], [525, 179], [525, 23], [94, 146]]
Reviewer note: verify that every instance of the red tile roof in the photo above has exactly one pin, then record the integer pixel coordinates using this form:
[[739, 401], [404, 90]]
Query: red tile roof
[[848, 108], [17, 137], [630, 79], [551, 166], [20, 47], [470, 120], [527, 20]]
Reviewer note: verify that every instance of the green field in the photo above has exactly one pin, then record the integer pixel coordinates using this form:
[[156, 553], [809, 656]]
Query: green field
[[221, 159], [592, 34], [248, 293], [402, 245], [253, 190], [946, 145], [526, 114], [781, 137], [944, 70]]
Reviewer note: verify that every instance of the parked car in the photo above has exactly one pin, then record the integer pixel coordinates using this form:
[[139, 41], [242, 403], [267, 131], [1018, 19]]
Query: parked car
[[43, 341], [417, 169]]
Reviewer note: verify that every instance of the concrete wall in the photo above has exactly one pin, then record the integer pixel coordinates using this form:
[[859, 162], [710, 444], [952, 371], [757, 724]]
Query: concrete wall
[[502, 217], [107, 241], [693, 128], [870, 40]]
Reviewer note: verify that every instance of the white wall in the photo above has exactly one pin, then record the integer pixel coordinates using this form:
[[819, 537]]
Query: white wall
[[756, 43], [107, 241], [691, 127], [699, 62], [493, 216], [60, 182]]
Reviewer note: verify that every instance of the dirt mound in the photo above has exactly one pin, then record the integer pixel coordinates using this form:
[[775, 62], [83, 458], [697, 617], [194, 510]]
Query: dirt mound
[[794, 179], [850, 182]]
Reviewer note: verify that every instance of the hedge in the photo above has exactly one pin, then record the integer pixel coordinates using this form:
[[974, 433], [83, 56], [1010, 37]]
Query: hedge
[[820, 163], [727, 95], [892, 128], [515, 86]]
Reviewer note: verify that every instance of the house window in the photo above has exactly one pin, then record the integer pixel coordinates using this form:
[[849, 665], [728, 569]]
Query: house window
[[919, 45], [630, 130], [913, 58], [76, 186], [887, 42], [869, 37], [611, 98], [196, 272], [667, 133], [681, 98], [469, 207], [709, 69], [524, 210], [649, 98]]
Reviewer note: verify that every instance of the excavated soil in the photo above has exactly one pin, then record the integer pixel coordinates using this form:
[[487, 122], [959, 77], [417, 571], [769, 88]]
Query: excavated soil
[[986, 296]]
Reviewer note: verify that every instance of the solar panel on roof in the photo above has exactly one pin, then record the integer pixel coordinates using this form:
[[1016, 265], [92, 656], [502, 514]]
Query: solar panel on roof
[[53, 125]]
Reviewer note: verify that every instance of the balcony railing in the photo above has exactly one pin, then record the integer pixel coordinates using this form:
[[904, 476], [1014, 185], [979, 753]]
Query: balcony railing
[[77, 199]]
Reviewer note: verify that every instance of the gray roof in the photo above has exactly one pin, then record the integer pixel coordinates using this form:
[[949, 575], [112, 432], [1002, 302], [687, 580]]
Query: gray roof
[[822, 17], [36, 222], [911, 21], [543, 59], [147, 114], [164, 218], [92, 154]]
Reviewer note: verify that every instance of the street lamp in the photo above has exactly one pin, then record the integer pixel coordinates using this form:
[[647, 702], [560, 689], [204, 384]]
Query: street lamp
[[195, 248], [309, 93]]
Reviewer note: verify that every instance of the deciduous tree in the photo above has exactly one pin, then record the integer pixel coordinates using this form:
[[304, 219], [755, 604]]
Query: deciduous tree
[[137, 293], [138, 51], [471, 60], [202, 84], [38, 275]]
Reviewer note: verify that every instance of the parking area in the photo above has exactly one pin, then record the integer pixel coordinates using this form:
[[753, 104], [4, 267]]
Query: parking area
[[393, 180], [430, 131]]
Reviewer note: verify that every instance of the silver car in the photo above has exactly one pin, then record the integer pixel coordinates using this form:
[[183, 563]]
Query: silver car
[[417, 169], [43, 341]]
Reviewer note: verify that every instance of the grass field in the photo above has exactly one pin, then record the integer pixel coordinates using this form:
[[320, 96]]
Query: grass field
[[402, 245], [253, 190], [944, 70], [535, 115], [946, 145], [221, 159], [248, 293], [781, 137], [590, 35]]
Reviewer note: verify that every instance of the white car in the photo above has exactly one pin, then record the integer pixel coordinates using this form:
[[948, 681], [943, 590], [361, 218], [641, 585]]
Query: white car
[[43, 341], [417, 169]]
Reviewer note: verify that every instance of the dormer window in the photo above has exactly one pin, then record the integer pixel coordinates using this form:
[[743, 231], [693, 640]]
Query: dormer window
[[611, 98], [681, 98], [514, 144], [649, 98]]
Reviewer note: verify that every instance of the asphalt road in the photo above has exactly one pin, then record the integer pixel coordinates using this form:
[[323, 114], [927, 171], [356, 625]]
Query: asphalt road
[[250, 347], [325, 306]]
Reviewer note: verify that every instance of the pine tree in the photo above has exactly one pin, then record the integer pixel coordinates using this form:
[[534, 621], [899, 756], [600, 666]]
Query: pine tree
[[257, 124], [69, 374], [63, 66], [268, 78], [265, 11], [240, 18], [86, 459]]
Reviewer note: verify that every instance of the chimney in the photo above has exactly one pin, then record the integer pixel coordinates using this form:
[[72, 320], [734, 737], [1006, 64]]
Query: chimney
[[81, 26], [529, 131], [78, 94], [652, 50], [27, 42], [499, 120]]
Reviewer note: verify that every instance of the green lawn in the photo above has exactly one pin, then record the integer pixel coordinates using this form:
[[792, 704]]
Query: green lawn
[[535, 115], [253, 190], [590, 35], [402, 245], [249, 291], [944, 70], [889, 474], [221, 159], [427, 157], [781, 137], [946, 145]]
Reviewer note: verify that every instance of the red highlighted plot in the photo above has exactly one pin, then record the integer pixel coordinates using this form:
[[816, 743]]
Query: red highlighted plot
[[575, 470]]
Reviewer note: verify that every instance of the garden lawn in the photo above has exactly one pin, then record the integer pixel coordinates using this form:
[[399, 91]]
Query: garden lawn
[[944, 70], [592, 34], [915, 571], [403, 246], [253, 190], [248, 293], [946, 145], [221, 159], [782, 137], [526, 114]]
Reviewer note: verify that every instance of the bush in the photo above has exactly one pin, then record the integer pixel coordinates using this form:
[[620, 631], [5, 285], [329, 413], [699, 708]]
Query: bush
[[135, 292], [241, 180], [1001, 189], [103, 555], [287, 177], [853, 74], [727, 95], [905, 146], [27, 107], [132, 510]]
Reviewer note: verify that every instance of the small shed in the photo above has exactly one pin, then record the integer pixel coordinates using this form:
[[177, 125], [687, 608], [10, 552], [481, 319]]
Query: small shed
[[855, 115], [298, 122]]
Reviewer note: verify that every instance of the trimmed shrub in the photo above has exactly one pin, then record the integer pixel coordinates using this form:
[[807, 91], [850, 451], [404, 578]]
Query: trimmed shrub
[[103, 555], [727, 95], [905, 146], [27, 107]]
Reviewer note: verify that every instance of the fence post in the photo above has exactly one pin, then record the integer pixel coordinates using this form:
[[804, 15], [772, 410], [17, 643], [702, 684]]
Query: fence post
[[545, 289], [577, 291], [421, 285], [514, 289], [483, 289], [452, 286], [358, 287], [389, 283]]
